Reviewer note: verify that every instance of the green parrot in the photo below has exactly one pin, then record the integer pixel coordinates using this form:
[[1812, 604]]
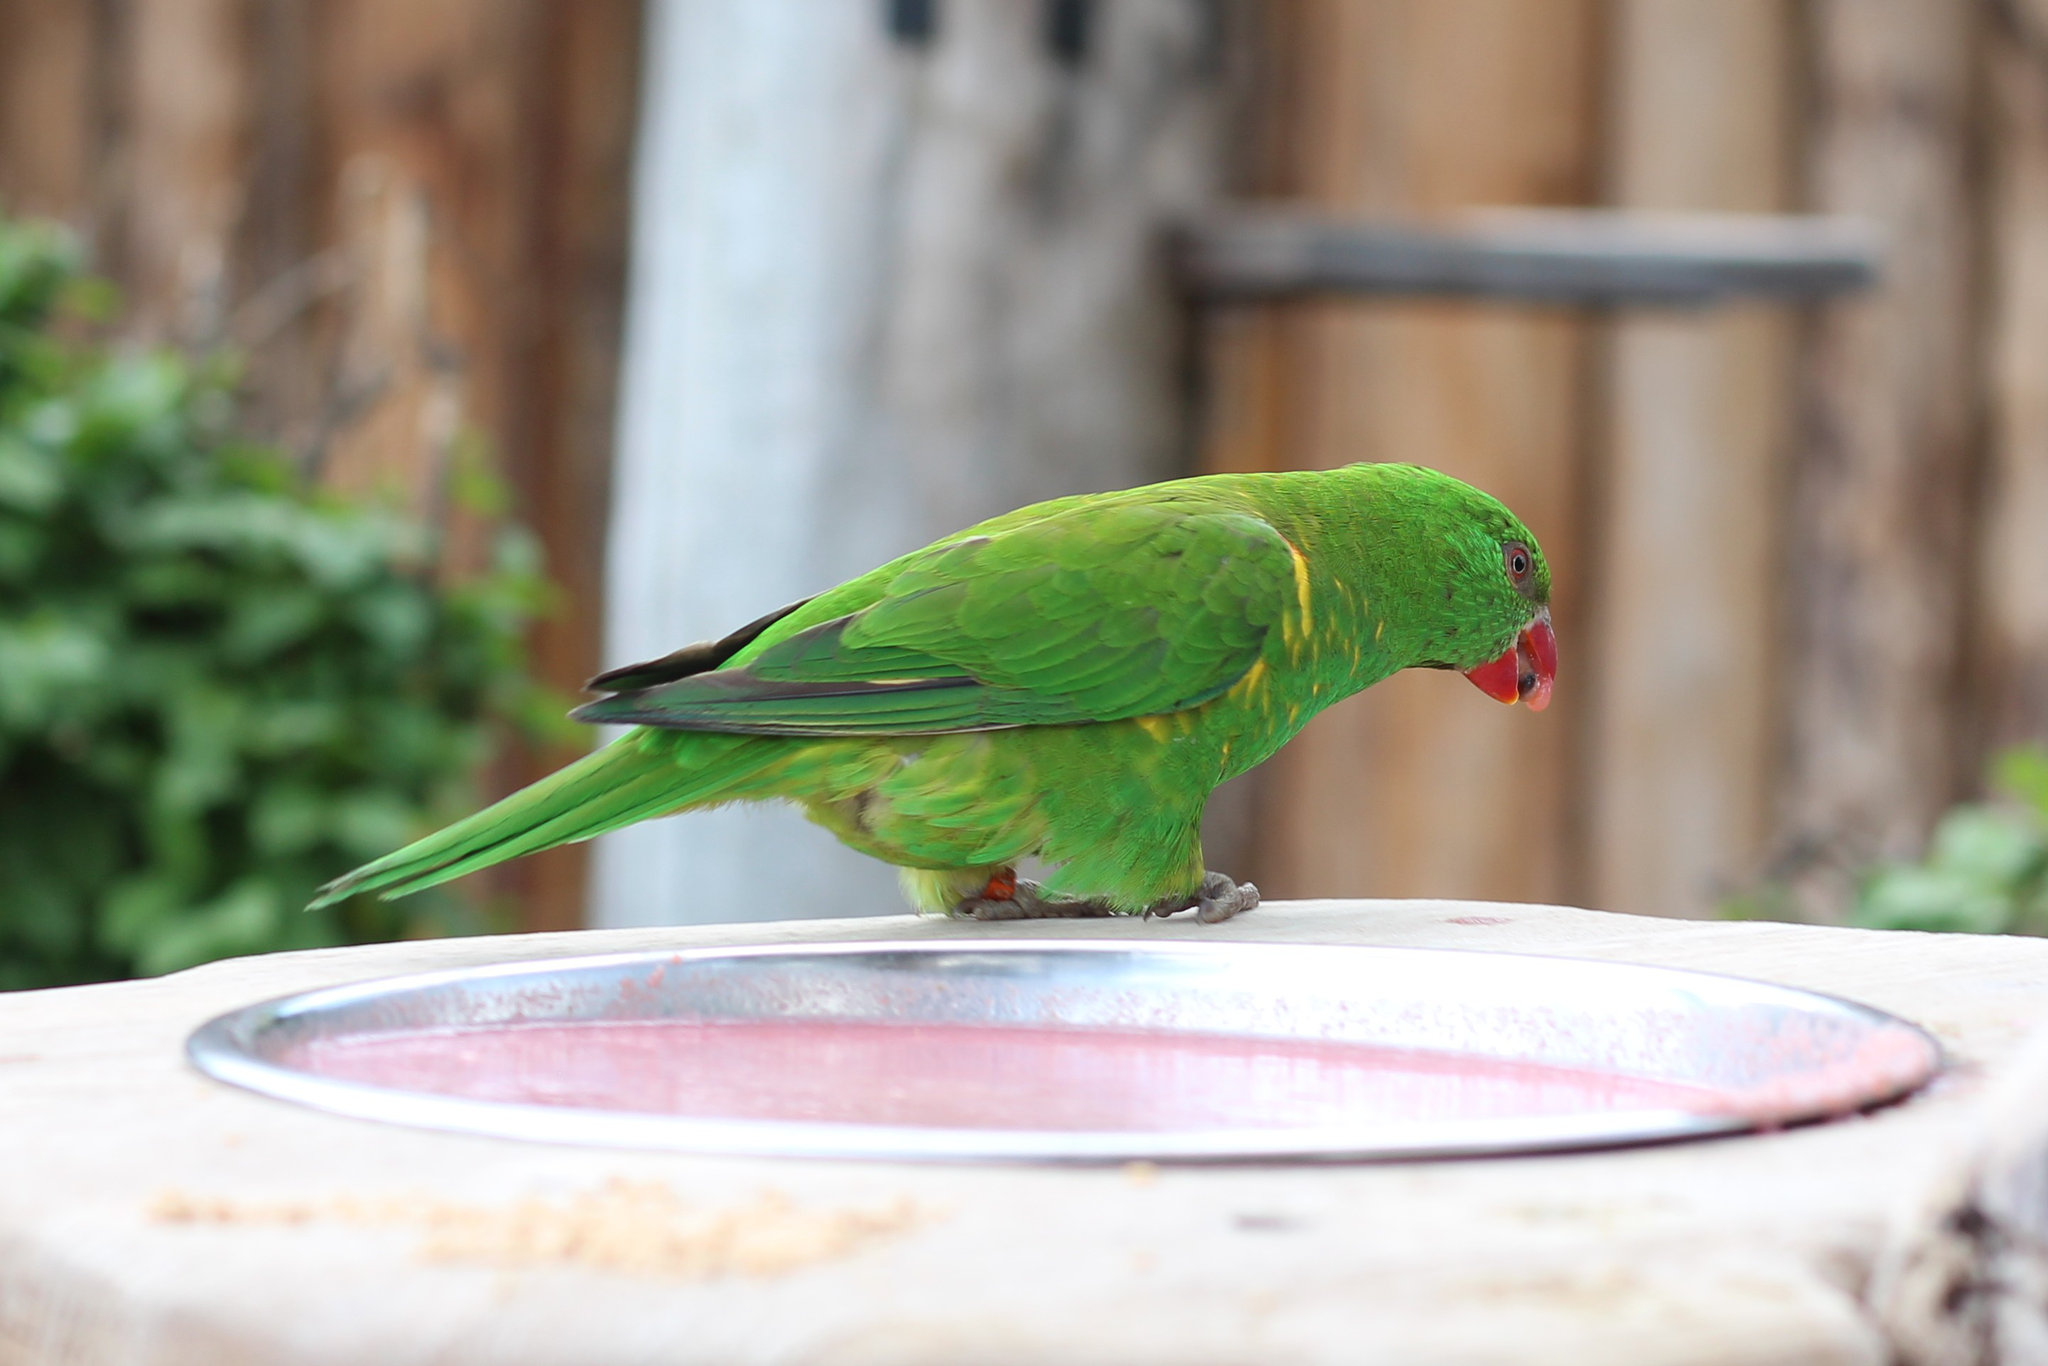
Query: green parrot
[[1068, 681]]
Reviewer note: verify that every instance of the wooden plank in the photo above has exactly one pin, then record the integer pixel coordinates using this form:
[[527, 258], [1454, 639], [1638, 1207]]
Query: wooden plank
[[49, 113], [580, 110], [184, 125], [1420, 787], [420, 187], [2011, 661], [419, 184], [1680, 740], [1879, 560], [287, 277], [1589, 257]]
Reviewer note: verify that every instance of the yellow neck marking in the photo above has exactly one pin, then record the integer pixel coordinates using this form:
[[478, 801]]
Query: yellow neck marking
[[1308, 621], [1253, 680]]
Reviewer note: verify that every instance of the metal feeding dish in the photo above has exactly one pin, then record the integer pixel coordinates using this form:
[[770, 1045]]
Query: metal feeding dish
[[1073, 1051]]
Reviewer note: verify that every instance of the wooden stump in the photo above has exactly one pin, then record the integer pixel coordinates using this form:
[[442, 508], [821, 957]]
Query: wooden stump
[[1965, 1280]]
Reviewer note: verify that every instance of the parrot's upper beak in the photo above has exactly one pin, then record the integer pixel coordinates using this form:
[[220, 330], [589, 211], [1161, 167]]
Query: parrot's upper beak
[[1526, 670]]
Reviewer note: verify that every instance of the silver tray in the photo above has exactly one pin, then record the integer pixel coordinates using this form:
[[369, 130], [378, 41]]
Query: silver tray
[[1073, 1051]]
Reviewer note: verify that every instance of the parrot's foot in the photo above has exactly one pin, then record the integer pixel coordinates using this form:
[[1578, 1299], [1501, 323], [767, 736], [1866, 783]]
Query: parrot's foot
[[1221, 897], [1023, 903]]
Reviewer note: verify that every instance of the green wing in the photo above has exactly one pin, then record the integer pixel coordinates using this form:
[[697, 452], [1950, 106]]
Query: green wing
[[1095, 613]]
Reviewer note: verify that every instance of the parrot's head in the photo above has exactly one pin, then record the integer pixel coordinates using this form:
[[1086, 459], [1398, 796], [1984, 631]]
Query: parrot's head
[[1488, 599], [1527, 668]]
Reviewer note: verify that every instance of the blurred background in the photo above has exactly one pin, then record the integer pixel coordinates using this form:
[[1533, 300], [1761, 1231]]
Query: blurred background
[[739, 297]]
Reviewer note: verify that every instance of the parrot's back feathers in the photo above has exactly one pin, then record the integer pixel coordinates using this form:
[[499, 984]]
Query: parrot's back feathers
[[691, 659], [1082, 616]]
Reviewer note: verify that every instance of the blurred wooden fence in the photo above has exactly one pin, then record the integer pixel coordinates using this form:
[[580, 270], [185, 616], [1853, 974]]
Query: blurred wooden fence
[[1798, 597], [410, 215]]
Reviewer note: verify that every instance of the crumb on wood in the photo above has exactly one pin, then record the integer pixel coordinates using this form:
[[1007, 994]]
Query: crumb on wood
[[637, 1228], [177, 1207]]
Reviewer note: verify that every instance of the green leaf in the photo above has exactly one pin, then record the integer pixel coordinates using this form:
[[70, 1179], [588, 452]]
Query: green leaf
[[473, 485], [42, 658], [36, 262], [294, 726], [139, 908], [396, 616], [30, 478], [245, 919], [266, 619], [22, 546], [131, 410], [1908, 897], [290, 818], [1995, 848], [371, 821], [2023, 771]]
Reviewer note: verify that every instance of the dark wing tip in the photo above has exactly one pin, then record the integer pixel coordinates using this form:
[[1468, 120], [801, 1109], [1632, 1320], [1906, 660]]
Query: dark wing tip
[[699, 658], [691, 659], [606, 711]]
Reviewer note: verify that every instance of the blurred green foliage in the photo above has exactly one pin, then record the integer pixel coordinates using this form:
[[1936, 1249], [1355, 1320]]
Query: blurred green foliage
[[218, 688], [1985, 870]]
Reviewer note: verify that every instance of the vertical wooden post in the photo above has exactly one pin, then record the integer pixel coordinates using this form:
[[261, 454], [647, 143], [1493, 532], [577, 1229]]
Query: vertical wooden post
[[1681, 730], [2012, 662], [1888, 415], [1422, 787], [578, 127], [890, 278], [424, 192], [48, 129], [186, 123]]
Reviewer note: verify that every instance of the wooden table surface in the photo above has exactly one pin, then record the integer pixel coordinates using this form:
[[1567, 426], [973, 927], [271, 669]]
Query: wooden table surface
[[150, 1215]]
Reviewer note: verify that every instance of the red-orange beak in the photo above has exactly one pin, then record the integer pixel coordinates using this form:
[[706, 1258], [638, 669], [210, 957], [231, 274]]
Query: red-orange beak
[[1527, 669]]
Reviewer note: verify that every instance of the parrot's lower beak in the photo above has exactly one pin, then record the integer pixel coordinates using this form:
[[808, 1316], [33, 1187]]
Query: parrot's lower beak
[[1526, 670]]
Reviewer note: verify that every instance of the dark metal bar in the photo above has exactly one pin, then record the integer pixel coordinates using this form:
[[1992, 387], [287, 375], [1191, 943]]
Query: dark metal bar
[[1562, 256]]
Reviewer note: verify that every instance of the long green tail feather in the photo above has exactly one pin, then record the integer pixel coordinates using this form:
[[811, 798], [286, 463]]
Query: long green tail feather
[[618, 785]]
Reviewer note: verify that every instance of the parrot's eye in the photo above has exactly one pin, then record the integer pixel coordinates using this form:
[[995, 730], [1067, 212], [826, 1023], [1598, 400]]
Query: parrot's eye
[[1517, 556]]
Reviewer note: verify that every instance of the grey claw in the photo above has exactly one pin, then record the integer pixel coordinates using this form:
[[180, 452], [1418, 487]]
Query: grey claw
[[982, 908], [1027, 904], [1223, 897]]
